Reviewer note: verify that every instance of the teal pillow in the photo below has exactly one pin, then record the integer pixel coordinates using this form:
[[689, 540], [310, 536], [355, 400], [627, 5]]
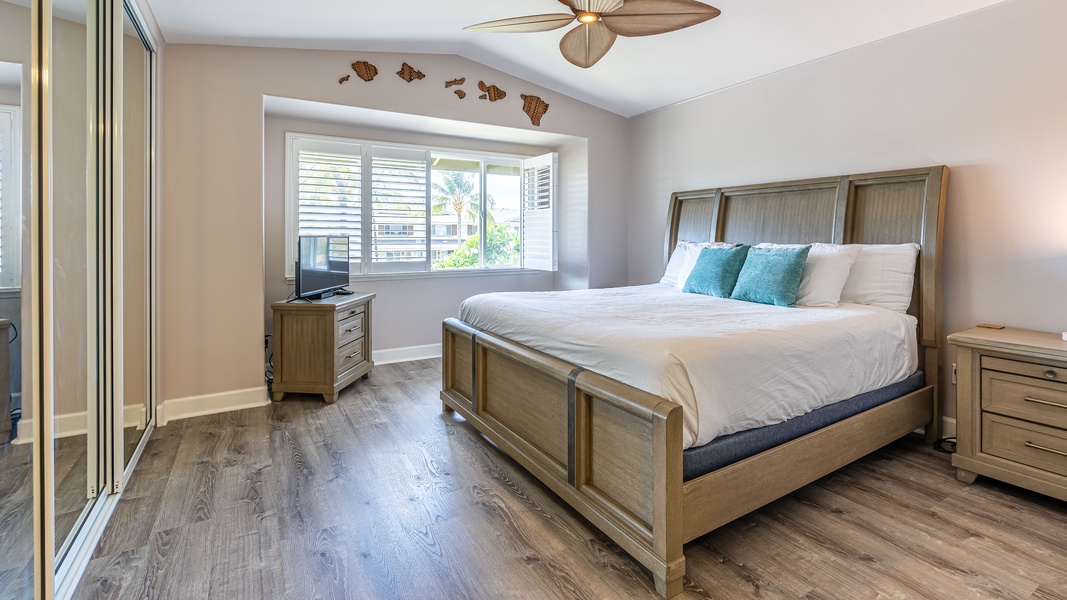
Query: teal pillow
[[715, 271], [771, 275]]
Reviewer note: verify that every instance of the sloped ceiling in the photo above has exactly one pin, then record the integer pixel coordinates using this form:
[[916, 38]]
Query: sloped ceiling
[[751, 38]]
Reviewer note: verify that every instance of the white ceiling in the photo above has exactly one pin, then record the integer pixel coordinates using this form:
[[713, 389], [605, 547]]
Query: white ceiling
[[751, 38]]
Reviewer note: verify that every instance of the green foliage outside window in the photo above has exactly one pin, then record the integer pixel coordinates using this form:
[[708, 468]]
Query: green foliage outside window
[[502, 248]]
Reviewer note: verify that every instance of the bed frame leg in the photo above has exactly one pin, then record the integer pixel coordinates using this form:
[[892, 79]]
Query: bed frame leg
[[668, 589]]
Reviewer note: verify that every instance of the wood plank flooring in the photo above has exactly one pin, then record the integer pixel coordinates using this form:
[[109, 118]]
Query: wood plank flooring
[[382, 496]]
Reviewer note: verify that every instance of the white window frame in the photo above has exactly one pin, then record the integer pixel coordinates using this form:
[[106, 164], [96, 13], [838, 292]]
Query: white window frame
[[369, 268], [11, 193]]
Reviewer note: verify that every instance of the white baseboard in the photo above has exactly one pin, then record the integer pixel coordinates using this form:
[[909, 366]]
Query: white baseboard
[[72, 424], [209, 404], [395, 355], [948, 427]]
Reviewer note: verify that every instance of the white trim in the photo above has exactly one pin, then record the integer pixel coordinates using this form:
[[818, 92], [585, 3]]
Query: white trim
[[396, 355], [74, 563], [356, 278], [948, 427], [72, 424], [210, 404]]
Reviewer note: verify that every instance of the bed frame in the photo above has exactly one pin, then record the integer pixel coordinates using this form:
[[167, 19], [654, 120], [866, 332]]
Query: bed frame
[[614, 452]]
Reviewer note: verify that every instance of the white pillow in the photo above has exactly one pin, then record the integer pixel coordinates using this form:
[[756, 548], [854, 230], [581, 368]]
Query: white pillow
[[882, 275], [824, 274], [692, 252], [674, 265]]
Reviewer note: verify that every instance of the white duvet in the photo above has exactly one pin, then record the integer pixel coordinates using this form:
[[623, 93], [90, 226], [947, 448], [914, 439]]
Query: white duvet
[[732, 365]]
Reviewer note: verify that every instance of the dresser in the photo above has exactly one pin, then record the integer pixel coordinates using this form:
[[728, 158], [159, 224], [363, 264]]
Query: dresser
[[322, 346], [1011, 408]]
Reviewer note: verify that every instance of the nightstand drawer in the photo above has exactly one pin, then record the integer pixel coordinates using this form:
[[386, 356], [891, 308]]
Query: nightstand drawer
[[348, 314], [349, 329], [1025, 398], [349, 356], [1042, 372], [1027, 443]]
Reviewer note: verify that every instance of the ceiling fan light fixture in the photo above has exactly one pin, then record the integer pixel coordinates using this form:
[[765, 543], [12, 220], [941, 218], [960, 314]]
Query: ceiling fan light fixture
[[601, 21]]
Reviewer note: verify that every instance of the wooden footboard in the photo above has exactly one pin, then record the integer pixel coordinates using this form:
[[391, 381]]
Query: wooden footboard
[[611, 451]]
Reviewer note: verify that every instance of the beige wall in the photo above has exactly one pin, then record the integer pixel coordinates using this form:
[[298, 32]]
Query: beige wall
[[982, 93], [213, 222]]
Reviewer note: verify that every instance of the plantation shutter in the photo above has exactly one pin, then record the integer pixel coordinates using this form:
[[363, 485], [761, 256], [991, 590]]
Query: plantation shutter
[[329, 193], [399, 191], [538, 204]]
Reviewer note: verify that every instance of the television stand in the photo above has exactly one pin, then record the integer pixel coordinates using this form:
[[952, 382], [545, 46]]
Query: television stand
[[322, 346]]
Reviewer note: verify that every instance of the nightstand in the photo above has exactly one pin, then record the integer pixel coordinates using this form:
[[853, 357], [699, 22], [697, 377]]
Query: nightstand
[[321, 346], [1011, 408]]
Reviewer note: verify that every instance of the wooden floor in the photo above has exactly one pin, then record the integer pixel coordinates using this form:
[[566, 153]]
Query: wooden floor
[[382, 496]]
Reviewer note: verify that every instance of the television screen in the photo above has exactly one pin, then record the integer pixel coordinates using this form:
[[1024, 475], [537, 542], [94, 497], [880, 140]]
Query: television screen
[[322, 267]]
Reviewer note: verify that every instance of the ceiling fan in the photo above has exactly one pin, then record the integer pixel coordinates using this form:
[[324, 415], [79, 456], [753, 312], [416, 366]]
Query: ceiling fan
[[601, 21]]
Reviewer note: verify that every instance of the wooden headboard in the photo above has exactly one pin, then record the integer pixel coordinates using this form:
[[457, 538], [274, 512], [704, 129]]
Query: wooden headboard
[[891, 207]]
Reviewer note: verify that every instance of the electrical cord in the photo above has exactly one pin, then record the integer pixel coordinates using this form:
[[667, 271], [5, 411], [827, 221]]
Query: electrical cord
[[946, 445], [268, 373], [16, 334]]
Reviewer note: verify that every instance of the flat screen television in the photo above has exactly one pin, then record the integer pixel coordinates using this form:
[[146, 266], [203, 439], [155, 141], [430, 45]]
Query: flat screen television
[[322, 267]]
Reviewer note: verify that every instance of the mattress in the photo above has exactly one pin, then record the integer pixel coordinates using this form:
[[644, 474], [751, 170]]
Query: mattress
[[731, 365]]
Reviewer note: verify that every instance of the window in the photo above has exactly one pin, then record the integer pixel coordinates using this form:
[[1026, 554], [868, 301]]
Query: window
[[10, 197], [425, 209]]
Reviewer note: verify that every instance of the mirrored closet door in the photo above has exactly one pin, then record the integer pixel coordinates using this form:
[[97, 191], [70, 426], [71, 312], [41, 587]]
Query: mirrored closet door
[[137, 97], [90, 232], [16, 447], [76, 428]]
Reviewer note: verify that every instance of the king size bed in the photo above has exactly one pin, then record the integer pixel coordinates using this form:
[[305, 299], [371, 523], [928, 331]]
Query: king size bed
[[602, 394]]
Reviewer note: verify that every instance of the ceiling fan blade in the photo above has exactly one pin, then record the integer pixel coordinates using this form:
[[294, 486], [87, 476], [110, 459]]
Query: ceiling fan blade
[[649, 17], [596, 6], [586, 44], [525, 24]]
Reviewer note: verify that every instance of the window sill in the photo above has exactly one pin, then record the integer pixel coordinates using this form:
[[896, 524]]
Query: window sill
[[359, 277], [10, 293]]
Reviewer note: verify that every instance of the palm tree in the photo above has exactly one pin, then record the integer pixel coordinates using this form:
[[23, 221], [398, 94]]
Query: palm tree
[[456, 195]]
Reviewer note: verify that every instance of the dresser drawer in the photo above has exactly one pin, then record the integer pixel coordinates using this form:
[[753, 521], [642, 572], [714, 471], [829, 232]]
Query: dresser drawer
[[349, 329], [1025, 398], [350, 355], [348, 314], [1043, 372], [1027, 443]]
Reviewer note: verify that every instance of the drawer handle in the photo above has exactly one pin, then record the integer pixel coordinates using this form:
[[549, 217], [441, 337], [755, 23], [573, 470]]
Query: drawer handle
[[351, 329], [356, 353], [1039, 447], [1045, 402], [1050, 374]]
